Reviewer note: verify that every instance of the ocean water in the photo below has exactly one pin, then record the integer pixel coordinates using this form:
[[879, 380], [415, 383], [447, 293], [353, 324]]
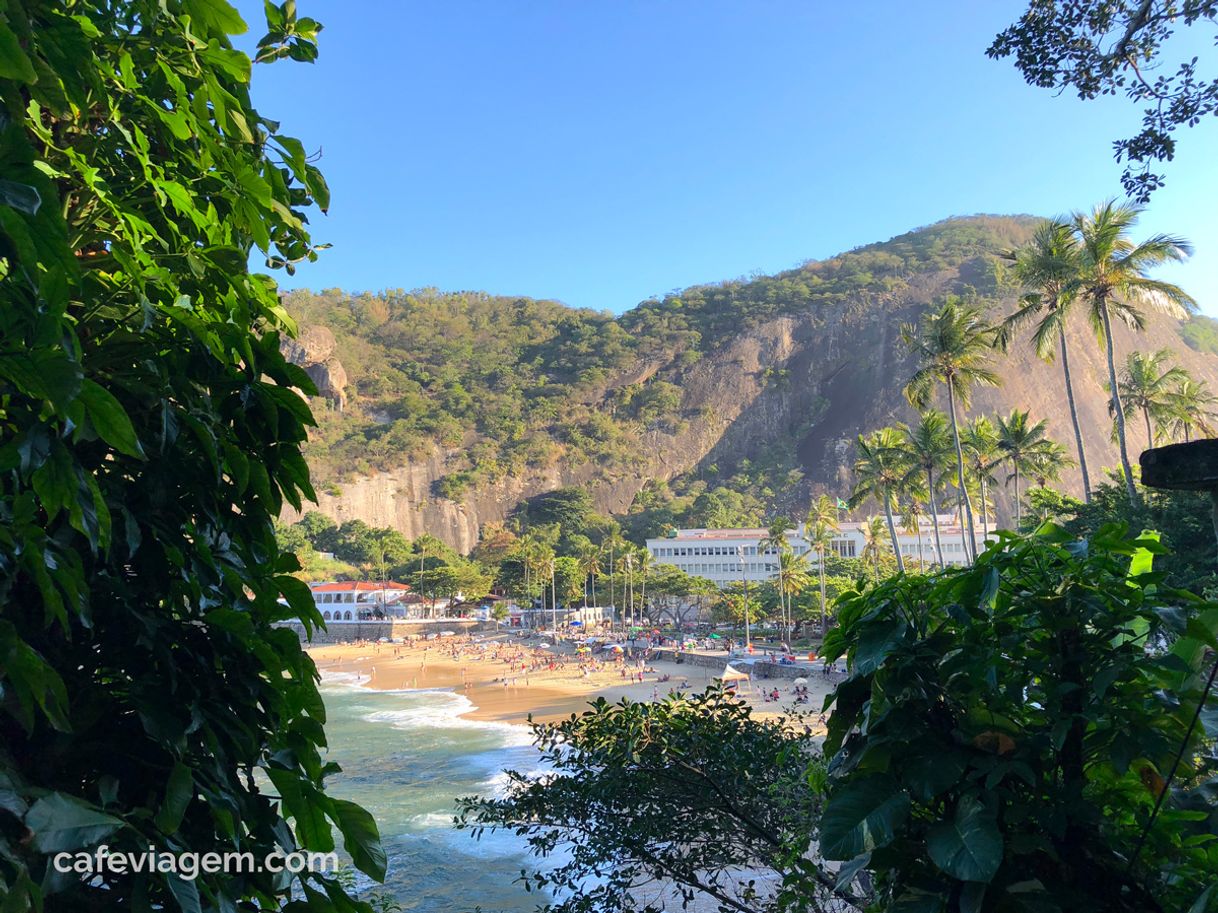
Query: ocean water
[[406, 757]]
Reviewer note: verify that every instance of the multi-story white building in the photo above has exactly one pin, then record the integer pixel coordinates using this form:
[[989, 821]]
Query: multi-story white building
[[728, 556]]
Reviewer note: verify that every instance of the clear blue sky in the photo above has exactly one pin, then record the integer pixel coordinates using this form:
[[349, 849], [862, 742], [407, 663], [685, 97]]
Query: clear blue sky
[[604, 152]]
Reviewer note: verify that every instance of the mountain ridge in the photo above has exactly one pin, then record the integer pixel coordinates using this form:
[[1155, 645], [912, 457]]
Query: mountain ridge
[[743, 397]]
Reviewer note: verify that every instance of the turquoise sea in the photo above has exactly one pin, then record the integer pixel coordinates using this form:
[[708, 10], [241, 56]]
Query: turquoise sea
[[406, 756]]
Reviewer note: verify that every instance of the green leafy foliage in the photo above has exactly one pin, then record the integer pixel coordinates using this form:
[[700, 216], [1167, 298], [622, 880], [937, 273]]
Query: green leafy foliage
[[1007, 729], [149, 434], [676, 797]]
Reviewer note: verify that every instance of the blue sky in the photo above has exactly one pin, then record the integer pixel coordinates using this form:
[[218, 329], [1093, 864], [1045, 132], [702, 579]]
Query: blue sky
[[601, 153]]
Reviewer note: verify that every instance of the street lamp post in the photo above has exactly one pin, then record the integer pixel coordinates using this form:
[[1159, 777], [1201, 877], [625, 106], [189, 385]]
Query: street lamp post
[[553, 599], [744, 579]]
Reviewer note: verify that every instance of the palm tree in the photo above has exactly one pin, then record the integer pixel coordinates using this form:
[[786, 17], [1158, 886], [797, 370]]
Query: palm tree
[[1046, 462], [792, 579], [930, 446], [642, 559], [1189, 406], [628, 590], [880, 469], [1050, 266], [819, 530], [1022, 443], [1146, 385], [982, 457], [952, 346], [1115, 284], [911, 524], [589, 559], [614, 543], [776, 539], [873, 543]]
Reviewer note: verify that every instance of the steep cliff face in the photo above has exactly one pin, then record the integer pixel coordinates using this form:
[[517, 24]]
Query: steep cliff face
[[313, 350], [817, 378]]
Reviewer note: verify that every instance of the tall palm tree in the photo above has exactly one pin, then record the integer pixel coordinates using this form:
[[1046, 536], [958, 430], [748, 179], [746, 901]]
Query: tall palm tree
[[792, 579], [776, 539], [644, 563], [1191, 405], [1046, 462], [1050, 266], [628, 586], [874, 544], [953, 347], [911, 524], [1023, 442], [1147, 385], [589, 559], [881, 467], [1115, 284], [614, 543], [929, 446], [819, 530], [981, 458]]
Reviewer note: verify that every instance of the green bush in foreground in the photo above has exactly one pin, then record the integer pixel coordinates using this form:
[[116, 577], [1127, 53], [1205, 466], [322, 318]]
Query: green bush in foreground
[[1007, 729], [148, 436]]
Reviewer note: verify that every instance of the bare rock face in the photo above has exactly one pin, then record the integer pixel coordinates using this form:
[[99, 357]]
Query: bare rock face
[[313, 350]]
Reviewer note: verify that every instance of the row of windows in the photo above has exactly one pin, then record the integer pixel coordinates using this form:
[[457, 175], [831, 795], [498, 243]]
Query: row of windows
[[338, 616], [720, 568]]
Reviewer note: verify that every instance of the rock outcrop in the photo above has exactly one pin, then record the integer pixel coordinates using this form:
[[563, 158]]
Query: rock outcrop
[[314, 351]]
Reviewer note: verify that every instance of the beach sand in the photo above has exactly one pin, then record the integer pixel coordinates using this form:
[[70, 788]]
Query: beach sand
[[508, 679]]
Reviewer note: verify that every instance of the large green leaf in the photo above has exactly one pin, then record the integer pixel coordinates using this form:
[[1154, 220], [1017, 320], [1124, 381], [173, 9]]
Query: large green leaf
[[969, 847], [22, 197], [878, 638], [60, 822], [361, 838], [14, 64], [109, 418], [862, 816]]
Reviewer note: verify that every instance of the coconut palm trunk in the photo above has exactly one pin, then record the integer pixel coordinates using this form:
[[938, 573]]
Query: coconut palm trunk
[[985, 512], [1117, 411], [824, 608], [1150, 440], [892, 532], [966, 527], [1078, 431], [1018, 505], [934, 514]]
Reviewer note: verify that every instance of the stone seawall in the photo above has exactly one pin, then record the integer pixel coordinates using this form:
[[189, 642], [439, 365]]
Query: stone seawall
[[343, 632], [758, 669]]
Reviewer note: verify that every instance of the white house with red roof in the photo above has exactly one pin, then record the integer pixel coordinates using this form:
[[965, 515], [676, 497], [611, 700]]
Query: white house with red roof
[[361, 600]]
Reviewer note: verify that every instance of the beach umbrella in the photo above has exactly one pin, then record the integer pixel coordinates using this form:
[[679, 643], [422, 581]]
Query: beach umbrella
[[801, 681]]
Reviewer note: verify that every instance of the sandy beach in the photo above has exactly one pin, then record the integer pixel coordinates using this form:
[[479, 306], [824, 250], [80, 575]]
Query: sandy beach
[[508, 678]]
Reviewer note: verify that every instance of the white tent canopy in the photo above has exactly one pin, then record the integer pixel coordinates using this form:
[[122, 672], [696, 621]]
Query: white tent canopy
[[733, 675]]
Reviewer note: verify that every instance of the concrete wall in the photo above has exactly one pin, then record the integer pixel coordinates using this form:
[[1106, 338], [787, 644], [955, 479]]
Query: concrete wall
[[759, 670], [341, 632]]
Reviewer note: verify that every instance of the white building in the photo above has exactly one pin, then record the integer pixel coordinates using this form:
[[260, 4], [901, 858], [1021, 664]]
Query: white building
[[360, 600], [728, 556]]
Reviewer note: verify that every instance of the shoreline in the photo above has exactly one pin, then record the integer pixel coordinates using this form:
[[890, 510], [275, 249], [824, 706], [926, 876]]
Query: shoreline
[[509, 679]]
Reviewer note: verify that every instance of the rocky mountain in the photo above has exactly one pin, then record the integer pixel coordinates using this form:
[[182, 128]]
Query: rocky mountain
[[455, 409]]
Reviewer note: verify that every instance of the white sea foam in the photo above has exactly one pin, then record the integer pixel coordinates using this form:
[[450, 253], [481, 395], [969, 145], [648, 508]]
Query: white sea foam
[[439, 709], [432, 820]]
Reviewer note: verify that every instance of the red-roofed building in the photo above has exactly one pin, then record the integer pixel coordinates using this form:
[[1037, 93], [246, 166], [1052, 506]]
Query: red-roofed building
[[360, 600]]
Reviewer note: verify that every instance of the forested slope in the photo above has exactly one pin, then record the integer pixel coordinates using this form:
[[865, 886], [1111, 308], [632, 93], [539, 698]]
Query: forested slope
[[716, 405]]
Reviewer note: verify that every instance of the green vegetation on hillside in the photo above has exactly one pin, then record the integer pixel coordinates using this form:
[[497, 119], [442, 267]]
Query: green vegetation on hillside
[[519, 385]]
